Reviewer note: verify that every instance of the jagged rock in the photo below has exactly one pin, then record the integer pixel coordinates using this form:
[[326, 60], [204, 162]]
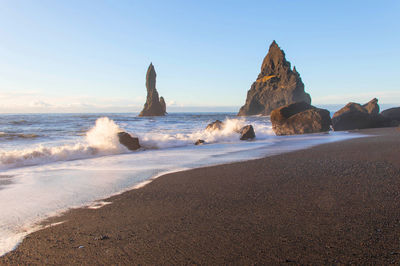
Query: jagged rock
[[216, 125], [392, 116], [199, 142], [132, 143], [247, 132], [154, 105], [355, 116], [372, 106], [300, 118], [277, 85]]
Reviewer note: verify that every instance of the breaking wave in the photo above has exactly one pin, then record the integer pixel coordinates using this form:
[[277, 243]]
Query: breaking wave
[[102, 140]]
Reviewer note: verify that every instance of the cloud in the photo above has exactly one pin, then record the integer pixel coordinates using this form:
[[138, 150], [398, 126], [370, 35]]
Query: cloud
[[40, 104]]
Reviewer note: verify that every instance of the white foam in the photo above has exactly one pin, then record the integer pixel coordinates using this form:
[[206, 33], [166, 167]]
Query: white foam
[[101, 140]]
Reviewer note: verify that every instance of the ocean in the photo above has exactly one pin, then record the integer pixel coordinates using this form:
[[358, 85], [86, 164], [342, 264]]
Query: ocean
[[50, 163]]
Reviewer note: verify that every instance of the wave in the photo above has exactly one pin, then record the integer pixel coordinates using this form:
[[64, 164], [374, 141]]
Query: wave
[[102, 140], [10, 136]]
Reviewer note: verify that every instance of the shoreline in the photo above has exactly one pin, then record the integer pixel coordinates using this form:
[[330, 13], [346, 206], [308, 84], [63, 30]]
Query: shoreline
[[32, 249]]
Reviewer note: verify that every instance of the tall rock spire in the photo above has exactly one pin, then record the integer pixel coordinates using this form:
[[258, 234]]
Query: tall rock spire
[[277, 85], [153, 105]]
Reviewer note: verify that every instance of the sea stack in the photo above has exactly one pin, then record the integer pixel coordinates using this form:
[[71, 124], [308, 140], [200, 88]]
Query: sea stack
[[154, 105], [277, 85]]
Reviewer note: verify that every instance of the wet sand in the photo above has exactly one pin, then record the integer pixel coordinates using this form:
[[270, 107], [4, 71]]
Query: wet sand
[[330, 204]]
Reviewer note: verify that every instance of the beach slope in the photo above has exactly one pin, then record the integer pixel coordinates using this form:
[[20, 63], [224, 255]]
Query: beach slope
[[333, 203]]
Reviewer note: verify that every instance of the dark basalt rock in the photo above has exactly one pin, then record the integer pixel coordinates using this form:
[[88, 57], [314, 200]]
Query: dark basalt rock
[[216, 125], [392, 116], [199, 142], [154, 105], [163, 105], [300, 118], [132, 143], [372, 106], [356, 116], [247, 132], [277, 85]]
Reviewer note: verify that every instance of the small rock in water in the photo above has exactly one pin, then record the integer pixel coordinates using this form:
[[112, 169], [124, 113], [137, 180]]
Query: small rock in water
[[217, 125], [247, 132], [199, 142], [128, 141]]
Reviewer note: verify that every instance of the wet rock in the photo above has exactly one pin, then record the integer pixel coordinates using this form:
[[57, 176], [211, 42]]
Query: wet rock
[[216, 125], [247, 133], [300, 118], [154, 105], [132, 143], [355, 116], [277, 85], [199, 142]]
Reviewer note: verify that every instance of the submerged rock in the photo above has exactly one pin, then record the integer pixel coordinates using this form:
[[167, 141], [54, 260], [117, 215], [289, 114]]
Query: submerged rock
[[154, 105], [247, 132], [216, 125], [277, 85], [199, 142], [357, 116], [300, 118], [132, 143]]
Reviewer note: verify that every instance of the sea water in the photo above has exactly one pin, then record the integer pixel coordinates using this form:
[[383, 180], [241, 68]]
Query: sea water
[[50, 163]]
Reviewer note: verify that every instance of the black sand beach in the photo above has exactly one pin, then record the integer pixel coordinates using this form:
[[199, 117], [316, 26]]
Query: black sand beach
[[331, 204]]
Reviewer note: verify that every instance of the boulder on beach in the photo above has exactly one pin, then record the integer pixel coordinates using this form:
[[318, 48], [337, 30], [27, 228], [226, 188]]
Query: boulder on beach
[[300, 118], [357, 116], [132, 143], [277, 85], [216, 125], [247, 133], [392, 116], [199, 142], [372, 106], [154, 105]]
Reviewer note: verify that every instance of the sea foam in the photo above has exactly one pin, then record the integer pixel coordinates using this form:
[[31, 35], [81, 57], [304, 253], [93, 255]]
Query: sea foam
[[102, 140]]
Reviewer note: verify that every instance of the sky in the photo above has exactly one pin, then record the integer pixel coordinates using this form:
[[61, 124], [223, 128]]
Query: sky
[[92, 55]]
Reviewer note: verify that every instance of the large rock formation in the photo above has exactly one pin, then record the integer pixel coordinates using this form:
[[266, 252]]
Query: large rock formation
[[357, 116], [392, 116], [300, 118], [277, 85], [154, 105]]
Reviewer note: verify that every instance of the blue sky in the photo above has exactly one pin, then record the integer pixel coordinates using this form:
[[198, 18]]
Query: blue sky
[[73, 56]]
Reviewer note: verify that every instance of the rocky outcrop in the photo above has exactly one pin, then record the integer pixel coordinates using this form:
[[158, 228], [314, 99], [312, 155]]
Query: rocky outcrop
[[154, 105], [132, 143], [277, 85], [357, 116], [300, 118], [216, 125], [392, 116], [163, 105], [372, 106], [247, 133]]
